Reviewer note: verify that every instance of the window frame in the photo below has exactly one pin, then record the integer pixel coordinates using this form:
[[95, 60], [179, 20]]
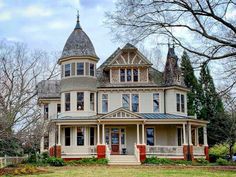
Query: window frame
[[92, 102], [122, 97], [123, 75], [83, 130], [154, 136], [68, 102], [92, 70], [129, 74], [66, 70], [153, 103], [77, 69], [131, 101], [180, 102], [78, 101], [107, 104], [92, 138], [134, 80], [132, 96], [178, 109], [67, 137]]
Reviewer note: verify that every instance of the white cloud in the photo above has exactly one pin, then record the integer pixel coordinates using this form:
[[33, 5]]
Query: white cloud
[[36, 11], [1, 4], [58, 25], [231, 14], [4, 16]]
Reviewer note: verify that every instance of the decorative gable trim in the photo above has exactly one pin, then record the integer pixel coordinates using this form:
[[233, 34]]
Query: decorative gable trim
[[121, 113], [129, 58]]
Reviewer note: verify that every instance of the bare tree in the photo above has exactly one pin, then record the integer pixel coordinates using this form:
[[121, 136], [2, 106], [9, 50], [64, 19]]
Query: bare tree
[[20, 71], [206, 28]]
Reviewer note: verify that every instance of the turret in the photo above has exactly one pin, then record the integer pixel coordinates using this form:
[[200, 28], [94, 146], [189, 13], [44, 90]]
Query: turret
[[78, 75]]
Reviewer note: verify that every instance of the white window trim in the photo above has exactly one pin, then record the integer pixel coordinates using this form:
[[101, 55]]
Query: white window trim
[[158, 100], [130, 100], [107, 102], [65, 70], [77, 101], [145, 137], [132, 75], [181, 134], [85, 137], [180, 102], [94, 101], [76, 69]]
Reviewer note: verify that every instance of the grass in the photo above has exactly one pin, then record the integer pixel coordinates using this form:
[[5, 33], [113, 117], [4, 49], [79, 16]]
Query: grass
[[135, 171]]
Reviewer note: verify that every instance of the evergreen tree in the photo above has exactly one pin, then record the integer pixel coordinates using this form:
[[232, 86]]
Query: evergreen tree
[[212, 108], [191, 82]]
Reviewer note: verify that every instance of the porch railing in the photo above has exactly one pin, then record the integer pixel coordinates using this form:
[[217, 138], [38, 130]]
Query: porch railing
[[136, 152], [79, 151], [108, 152], [165, 150], [198, 151]]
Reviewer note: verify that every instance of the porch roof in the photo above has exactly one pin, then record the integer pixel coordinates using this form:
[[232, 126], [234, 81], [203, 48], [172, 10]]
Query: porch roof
[[162, 116]]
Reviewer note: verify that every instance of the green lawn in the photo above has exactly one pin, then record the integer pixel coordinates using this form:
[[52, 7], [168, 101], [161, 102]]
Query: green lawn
[[134, 171]]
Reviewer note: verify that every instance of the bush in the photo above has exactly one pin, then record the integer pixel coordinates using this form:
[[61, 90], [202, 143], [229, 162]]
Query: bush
[[87, 161], [202, 161], [32, 158], [221, 161], [161, 161], [53, 161]]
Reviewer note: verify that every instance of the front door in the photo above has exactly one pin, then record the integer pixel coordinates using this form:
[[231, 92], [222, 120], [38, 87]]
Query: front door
[[115, 148]]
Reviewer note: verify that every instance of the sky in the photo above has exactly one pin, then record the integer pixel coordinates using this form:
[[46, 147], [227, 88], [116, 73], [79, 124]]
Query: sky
[[46, 24]]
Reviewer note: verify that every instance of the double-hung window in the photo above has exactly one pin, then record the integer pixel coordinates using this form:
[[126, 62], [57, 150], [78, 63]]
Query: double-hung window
[[122, 75], [67, 136], [80, 69], [180, 103], [46, 111], [92, 136], [104, 103], [126, 101], [67, 70], [129, 75], [92, 101], [131, 102], [80, 101], [91, 69], [135, 75], [150, 136], [67, 101], [80, 136], [156, 102]]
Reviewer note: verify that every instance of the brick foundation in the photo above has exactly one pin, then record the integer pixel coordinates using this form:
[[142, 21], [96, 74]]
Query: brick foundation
[[185, 152], [101, 151], [142, 151], [206, 150], [52, 151]]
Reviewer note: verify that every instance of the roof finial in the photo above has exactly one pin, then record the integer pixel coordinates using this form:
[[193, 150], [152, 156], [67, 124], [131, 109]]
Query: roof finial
[[78, 21]]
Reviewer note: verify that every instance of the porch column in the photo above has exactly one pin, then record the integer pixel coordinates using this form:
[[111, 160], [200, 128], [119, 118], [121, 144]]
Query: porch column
[[143, 134], [196, 137], [184, 134], [59, 135], [190, 134], [103, 134], [98, 134], [205, 136], [137, 133]]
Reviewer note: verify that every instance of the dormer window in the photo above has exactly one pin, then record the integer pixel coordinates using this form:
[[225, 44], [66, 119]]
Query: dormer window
[[80, 68], [122, 75], [135, 75], [129, 75], [67, 70]]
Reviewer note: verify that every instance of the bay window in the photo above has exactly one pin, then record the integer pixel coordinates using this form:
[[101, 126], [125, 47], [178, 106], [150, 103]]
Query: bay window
[[67, 70], [92, 101], [80, 136], [80, 101], [91, 69], [67, 101], [80, 68]]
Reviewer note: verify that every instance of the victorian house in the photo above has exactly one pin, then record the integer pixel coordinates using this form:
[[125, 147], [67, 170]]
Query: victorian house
[[124, 110]]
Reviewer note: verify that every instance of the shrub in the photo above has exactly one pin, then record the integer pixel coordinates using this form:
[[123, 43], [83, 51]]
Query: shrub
[[102, 161], [53, 161], [202, 161], [32, 158], [87, 161], [182, 162], [161, 161], [221, 161]]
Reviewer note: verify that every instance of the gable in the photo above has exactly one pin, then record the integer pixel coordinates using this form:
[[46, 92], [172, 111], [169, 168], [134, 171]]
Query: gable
[[121, 113], [129, 58]]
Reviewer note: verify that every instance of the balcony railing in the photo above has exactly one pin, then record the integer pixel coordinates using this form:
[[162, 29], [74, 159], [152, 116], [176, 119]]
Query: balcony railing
[[165, 150]]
